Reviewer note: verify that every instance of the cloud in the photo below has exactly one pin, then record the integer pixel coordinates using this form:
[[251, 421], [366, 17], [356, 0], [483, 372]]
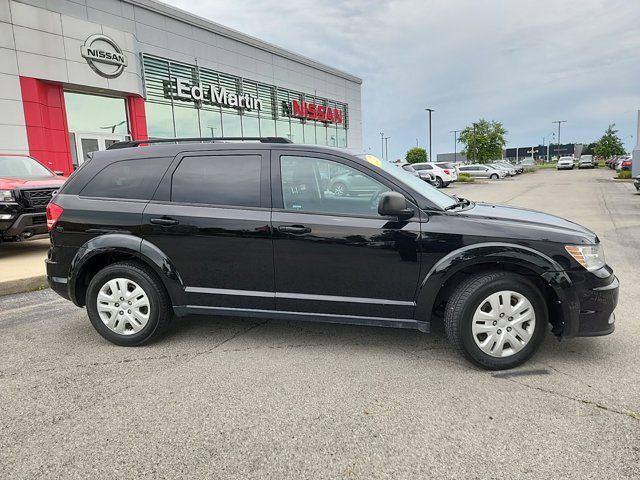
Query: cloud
[[523, 63]]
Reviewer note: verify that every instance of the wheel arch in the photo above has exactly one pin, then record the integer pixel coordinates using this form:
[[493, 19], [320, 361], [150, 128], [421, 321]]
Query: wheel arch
[[555, 285], [105, 250]]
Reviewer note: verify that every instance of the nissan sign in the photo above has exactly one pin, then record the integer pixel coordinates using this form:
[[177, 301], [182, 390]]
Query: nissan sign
[[104, 56]]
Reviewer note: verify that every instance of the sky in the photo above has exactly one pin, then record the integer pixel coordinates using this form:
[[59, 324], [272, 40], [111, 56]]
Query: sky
[[523, 63]]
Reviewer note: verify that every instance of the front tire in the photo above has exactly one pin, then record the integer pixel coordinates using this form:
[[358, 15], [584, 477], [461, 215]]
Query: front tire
[[493, 176], [497, 320], [127, 304]]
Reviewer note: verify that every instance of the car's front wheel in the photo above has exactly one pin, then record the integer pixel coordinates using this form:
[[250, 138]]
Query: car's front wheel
[[493, 176], [497, 320], [127, 304]]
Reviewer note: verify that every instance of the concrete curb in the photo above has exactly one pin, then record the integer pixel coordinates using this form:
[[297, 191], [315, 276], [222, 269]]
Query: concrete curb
[[22, 285]]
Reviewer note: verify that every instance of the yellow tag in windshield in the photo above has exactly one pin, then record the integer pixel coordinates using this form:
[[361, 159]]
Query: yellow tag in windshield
[[373, 160]]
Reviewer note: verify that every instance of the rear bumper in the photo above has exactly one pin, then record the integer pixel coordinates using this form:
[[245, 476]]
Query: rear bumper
[[58, 263]]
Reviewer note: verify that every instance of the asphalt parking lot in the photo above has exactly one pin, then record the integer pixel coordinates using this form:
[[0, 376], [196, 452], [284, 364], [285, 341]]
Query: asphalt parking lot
[[232, 398]]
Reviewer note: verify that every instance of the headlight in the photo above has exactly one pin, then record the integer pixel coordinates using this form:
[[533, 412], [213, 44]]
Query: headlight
[[6, 196], [590, 257]]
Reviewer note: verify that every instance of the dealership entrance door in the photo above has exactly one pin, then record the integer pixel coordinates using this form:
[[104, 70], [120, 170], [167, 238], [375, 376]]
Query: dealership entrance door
[[86, 143], [95, 122]]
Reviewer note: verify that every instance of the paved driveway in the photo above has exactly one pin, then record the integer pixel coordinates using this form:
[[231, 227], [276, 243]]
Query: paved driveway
[[227, 398]]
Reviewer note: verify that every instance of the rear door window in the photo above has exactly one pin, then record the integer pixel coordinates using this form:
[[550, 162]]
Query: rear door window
[[127, 179], [226, 180]]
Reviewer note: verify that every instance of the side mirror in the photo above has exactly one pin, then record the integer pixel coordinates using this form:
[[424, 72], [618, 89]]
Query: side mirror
[[393, 204], [59, 173]]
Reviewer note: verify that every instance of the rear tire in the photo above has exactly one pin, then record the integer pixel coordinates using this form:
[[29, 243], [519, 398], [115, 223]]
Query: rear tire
[[439, 183], [127, 304], [469, 314]]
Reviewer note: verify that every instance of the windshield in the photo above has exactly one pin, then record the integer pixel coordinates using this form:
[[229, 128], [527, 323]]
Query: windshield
[[428, 191], [21, 167]]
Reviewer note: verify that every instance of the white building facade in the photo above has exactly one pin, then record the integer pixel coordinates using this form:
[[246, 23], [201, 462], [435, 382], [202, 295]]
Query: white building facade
[[76, 76]]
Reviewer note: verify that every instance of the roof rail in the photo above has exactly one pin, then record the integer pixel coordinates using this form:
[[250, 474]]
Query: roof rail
[[137, 143]]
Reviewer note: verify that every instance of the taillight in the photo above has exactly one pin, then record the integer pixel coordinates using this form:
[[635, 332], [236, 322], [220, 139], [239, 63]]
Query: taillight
[[54, 212], [446, 170]]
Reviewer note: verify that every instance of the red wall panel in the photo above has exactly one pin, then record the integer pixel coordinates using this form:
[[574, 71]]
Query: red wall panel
[[46, 123], [137, 118]]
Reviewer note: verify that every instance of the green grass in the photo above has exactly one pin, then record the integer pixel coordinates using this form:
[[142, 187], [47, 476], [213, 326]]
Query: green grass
[[466, 178], [530, 169], [624, 174], [546, 165]]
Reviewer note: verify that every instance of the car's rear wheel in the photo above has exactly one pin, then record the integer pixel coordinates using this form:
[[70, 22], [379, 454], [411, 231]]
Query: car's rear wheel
[[127, 304], [497, 320], [439, 183]]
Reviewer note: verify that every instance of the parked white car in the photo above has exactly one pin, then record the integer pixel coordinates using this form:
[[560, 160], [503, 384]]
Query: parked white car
[[444, 173], [511, 172], [565, 163], [483, 171], [422, 174]]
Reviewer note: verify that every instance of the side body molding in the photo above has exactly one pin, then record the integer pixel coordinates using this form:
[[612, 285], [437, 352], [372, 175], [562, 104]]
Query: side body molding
[[132, 245], [549, 270]]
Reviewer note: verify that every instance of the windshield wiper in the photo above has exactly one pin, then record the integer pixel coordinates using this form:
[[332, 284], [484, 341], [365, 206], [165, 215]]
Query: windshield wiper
[[460, 202]]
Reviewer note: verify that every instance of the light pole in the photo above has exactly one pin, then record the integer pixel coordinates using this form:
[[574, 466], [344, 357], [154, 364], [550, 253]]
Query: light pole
[[430, 110], [559, 122], [386, 148], [455, 145], [382, 144]]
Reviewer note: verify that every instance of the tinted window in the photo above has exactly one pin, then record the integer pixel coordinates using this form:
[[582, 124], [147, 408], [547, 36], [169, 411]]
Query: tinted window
[[322, 186], [131, 179], [232, 180], [444, 165], [423, 167]]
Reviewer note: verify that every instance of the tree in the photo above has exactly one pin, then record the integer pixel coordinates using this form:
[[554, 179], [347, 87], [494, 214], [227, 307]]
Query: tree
[[416, 155], [609, 144], [483, 141]]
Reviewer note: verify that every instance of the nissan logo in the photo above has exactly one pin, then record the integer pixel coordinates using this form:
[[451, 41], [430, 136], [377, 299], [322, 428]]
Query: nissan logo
[[104, 56]]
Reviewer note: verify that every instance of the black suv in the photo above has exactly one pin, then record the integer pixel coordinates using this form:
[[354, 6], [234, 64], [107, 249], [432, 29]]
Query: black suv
[[256, 229]]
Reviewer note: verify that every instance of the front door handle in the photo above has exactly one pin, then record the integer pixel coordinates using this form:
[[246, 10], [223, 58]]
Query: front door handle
[[294, 229], [166, 221]]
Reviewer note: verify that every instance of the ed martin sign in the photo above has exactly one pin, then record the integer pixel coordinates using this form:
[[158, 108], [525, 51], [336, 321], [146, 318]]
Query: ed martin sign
[[215, 96], [104, 56], [312, 111]]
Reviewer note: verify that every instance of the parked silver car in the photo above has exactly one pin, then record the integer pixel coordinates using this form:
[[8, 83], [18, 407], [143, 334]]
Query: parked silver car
[[482, 171], [510, 171]]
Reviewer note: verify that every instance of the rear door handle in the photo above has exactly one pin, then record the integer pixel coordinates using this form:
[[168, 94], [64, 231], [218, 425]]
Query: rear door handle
[[294, 229], [166, 221]]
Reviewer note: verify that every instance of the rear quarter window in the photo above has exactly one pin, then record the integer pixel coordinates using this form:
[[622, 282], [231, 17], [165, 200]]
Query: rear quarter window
[[127, 179]]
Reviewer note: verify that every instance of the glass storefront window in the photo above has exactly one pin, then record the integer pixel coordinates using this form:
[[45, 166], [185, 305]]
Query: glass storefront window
[[310, 133], [267, 127], [321, 135], [297, 132], [283, 129], [210, 123], [342, 137], [250, 126], [187, 124], [231, 126], [97, 114], [159, 120]]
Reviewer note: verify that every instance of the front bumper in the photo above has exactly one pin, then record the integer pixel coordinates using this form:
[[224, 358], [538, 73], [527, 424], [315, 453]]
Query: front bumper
[[587, 301], [637, 184]]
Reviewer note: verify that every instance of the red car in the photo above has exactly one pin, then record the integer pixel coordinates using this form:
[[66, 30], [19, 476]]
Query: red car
[[26, 186]]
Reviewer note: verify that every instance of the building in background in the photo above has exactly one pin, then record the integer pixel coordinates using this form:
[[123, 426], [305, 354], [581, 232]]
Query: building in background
[[452, 157], [542, 152], [78, 76]]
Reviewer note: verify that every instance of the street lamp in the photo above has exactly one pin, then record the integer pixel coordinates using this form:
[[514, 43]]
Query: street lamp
[[386, 147], [558, 144], [382, 144], [430, 110], [455, 145]]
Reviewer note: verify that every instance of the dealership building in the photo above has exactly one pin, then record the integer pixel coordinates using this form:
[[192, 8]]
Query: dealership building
[[79, 75]]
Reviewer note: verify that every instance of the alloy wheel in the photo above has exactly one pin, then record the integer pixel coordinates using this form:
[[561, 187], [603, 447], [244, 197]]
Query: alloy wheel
[[123, 306], [503, 323]]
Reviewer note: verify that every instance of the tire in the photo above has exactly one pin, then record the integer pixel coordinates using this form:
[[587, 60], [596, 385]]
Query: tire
[[446, 184], [439, 183], [493, 176], [158, 311], [339, 189], [466, 302]]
